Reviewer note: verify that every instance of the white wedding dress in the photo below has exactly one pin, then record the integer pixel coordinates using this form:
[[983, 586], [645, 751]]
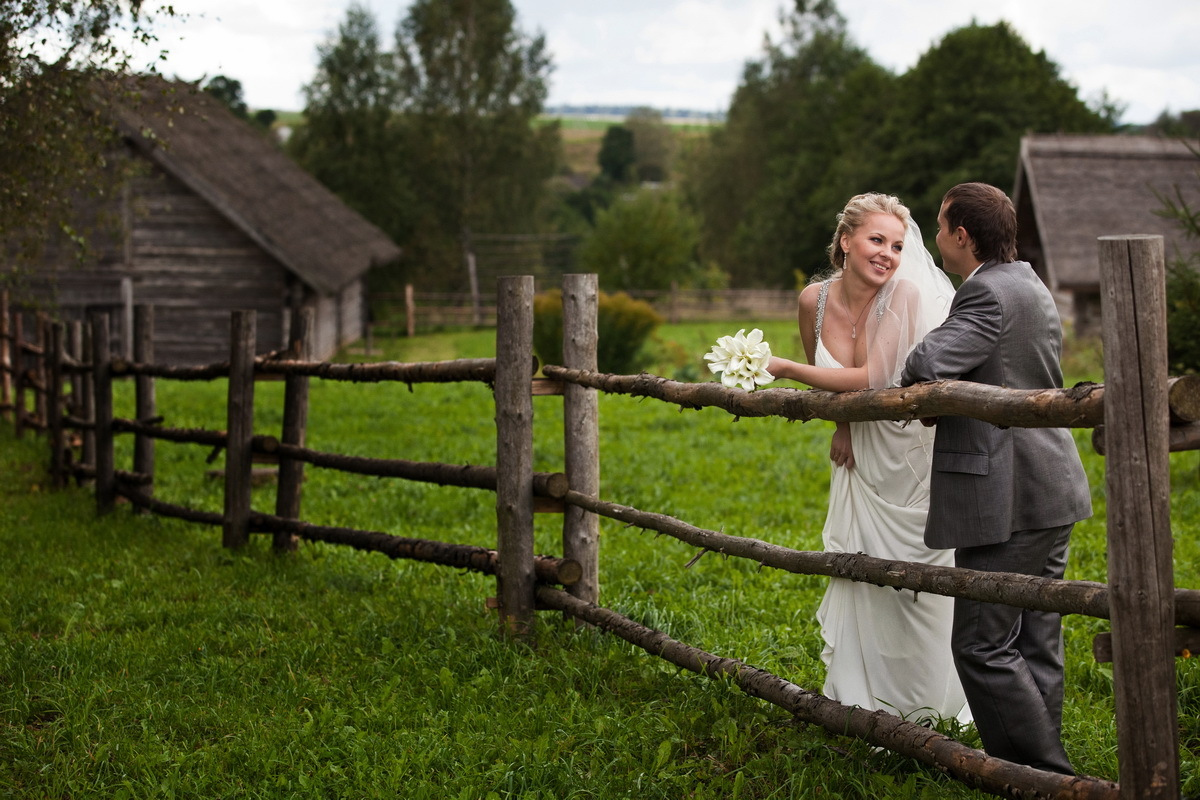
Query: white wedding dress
[[886, 649]]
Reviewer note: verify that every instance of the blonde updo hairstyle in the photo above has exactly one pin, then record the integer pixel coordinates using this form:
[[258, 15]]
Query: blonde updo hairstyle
[[855, 214]]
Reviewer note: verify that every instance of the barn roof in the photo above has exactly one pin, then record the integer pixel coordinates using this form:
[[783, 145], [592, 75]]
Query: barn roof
[[1073, 188], [195, 138]]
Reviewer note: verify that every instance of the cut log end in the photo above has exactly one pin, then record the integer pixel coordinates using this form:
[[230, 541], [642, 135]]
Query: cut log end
[[570, 572], [557, 485], [1183, 397]]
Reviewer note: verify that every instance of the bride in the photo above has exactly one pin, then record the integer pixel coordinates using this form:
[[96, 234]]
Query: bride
[[884, 648]]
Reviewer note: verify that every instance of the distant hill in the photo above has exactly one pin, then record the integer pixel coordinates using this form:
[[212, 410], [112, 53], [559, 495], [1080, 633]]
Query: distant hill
[[617, 113]]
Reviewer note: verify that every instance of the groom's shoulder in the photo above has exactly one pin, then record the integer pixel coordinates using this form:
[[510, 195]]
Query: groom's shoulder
[[1002, 275], [995, 268]]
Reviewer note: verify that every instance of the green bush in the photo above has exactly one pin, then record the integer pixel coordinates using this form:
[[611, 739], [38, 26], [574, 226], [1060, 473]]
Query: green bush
[[644, 240], [623, 327], [1183, 316], [1183, 283]]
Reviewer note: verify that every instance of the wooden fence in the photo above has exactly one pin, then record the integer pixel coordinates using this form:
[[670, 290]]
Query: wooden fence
[[406, 313], [1135, 410]]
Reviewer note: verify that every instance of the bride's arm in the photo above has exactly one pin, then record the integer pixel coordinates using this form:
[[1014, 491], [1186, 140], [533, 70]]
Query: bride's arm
[[838, 379], [841, 450]]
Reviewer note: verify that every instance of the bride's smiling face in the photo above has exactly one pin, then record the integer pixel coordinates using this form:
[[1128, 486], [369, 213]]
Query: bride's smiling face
[[873, 249]]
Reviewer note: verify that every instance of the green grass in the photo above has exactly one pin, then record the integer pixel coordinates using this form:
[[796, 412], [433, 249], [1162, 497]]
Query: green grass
[[140, 659]]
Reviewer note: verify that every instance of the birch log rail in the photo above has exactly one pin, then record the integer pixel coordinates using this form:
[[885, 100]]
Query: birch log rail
[[1179, 438], [545, 484], [879, 728], [1027, 591], [468, 369], [1078, 407], [1183, 403], [547, 569]]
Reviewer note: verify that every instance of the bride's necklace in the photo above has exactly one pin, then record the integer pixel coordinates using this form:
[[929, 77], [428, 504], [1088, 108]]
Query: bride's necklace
[[846, 311]]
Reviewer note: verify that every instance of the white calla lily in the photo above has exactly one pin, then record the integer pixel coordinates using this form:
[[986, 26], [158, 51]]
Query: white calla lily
[[741, 359]]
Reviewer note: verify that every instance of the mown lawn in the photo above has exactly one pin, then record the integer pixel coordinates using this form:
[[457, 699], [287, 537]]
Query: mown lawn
[[140, 659]]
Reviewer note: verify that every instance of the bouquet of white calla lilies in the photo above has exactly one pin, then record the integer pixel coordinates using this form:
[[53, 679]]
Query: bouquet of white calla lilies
[[742, 360]]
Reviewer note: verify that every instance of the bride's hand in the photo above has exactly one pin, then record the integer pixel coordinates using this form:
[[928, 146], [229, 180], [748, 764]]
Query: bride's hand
[[840, 451]]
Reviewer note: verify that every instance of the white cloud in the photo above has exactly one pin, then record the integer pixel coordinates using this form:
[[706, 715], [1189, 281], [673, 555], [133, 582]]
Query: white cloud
[[704, 32], [690, 53]]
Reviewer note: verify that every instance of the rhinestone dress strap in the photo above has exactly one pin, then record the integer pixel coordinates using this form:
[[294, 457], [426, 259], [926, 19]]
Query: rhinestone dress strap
[[822, 296], [880, 305]]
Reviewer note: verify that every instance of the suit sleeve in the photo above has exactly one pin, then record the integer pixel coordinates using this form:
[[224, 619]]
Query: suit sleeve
[[960, 344]]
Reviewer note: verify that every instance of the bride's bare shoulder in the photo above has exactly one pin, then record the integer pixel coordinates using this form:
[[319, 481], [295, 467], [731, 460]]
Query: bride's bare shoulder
[[809, 293], [808, 299]]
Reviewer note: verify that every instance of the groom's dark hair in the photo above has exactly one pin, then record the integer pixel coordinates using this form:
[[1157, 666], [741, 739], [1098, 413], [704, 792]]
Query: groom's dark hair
[[987, 214]]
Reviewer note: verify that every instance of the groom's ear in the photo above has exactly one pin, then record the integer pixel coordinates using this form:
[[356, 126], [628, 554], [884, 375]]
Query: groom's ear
[[964, 240]]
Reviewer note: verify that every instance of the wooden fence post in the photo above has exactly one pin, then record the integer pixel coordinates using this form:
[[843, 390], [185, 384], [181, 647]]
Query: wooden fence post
[[240, 429], [1137, 479], [410, 311], [145, 406], [295, 421], [82, 338], [368, 330], [74, 347], [581, 431], [6, 362], [41, 372], [514, 453], [126, 327], [54, 405], [18, 364], [102, 402]]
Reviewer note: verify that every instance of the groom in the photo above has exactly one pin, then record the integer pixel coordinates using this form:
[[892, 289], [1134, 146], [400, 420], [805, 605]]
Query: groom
[[1004, 498]]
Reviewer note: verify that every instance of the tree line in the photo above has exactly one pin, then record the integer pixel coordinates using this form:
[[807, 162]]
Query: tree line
[[438, 138], [436, 134]]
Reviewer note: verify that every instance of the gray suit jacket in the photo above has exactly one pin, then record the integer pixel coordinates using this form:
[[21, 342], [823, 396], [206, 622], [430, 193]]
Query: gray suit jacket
[[1003, 329]]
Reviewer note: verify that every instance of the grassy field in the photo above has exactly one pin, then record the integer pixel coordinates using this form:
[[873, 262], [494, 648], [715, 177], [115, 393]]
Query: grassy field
[[140, 659], [582, 137]]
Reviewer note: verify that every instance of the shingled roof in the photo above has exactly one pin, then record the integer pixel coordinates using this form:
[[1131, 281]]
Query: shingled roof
[[195, 138], [1072, 189]]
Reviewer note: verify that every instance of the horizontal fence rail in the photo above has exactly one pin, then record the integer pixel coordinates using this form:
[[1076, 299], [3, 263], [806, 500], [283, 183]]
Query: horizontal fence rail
[[545, 484], [1086, 598], [479, 369], [1078, 407], [469, 557]]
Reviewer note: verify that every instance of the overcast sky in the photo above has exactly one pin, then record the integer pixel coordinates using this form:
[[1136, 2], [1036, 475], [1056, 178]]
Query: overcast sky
[[688, 54]]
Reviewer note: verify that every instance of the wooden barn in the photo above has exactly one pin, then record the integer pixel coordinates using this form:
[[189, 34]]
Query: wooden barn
[[221, 219], [1072, 189]]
